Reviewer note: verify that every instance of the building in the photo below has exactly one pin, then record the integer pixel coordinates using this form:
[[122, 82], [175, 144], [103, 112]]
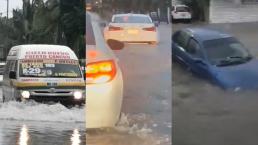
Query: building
[[233, 11]]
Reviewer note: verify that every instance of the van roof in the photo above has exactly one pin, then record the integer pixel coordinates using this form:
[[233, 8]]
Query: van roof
[[41, 51]]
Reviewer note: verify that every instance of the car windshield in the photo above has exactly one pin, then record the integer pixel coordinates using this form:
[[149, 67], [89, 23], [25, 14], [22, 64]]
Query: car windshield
[[182, 9], [50, 68], [131, 19], [225, 51]]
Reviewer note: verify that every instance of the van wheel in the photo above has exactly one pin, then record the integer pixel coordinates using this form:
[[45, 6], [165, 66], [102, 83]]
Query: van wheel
[[3, 98], [18, 99]]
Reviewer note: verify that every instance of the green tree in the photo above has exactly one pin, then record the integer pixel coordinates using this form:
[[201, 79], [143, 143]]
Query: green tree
[[73, 24], [51, 22]]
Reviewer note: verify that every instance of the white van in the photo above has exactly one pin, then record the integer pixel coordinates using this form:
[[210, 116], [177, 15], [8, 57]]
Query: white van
[[43, 73]]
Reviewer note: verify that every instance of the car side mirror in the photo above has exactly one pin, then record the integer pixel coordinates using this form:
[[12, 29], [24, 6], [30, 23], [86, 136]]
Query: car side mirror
[[12, 75], [115, 45]]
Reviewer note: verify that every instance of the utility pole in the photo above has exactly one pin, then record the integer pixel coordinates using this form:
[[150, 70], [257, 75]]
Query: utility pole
[[7, 13]]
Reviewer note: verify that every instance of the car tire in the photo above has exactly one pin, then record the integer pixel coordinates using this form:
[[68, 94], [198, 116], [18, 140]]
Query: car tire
[[173, 20], [153, 42], [118, 120]]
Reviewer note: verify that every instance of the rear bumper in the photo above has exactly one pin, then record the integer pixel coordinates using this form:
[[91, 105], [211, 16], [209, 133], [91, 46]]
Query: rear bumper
[[142, 37], [182, 17], [103, 103]]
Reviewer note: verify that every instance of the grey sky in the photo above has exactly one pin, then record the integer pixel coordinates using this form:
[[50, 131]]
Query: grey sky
[[13, 4]]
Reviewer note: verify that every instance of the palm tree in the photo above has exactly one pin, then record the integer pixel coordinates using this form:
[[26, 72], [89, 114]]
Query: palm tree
[[73, 24]]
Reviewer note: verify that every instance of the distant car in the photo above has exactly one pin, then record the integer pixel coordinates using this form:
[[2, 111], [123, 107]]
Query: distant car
[[104, 81], [181, 12], [216, 56], [137, 28]]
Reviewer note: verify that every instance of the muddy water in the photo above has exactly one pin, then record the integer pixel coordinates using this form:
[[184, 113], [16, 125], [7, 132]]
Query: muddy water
[[204, 114], [33, 123]]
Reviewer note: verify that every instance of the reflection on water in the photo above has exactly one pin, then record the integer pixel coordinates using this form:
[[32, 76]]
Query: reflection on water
[[24, 136], [30, 136], [206, 114], [130, 131], [75, 139]]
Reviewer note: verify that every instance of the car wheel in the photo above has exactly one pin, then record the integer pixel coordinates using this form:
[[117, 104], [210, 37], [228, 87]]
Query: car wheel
[[173, 20], [118, 120], [153, 43]]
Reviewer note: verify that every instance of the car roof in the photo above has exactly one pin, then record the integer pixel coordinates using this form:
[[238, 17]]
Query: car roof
[[203, 34], [20, 51]]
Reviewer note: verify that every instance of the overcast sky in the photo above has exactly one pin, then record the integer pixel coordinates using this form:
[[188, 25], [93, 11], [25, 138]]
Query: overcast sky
[[13, 4]]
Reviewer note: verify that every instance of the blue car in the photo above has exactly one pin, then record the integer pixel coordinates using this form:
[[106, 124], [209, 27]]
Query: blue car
[[216, 56]]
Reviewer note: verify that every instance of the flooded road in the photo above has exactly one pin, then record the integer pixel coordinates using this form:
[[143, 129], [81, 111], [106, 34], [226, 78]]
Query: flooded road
[[146, 118], [205, 114], [32, 123]]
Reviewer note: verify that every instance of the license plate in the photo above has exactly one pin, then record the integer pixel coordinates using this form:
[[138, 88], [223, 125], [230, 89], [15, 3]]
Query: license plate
[[132, 31], [51, 84]]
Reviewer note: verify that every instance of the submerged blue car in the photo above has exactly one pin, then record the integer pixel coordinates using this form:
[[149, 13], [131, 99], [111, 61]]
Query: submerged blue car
[[216, 56]]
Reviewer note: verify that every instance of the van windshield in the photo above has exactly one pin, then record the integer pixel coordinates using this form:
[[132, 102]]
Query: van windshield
[[50, 68]]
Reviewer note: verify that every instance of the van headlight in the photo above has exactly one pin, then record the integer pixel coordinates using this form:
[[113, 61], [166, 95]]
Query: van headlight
[[77, 95], [25, 94]]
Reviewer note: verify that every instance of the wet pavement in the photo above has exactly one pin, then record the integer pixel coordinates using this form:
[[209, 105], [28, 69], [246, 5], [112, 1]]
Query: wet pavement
[[33, 123], [146, 118], [204, 114]]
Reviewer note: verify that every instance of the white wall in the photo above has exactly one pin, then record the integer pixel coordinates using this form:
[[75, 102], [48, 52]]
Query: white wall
[[228, 11]]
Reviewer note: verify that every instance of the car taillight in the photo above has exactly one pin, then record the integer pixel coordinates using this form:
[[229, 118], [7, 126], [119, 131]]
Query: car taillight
[[114, 28], [100, 72], [150, 29]]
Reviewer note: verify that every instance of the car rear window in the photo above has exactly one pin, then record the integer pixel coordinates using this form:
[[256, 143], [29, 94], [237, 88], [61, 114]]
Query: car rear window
[[90, 38], [182, 9], [131, 19]]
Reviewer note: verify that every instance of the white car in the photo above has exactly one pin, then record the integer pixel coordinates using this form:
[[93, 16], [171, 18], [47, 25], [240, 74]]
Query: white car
[[181, 12], [136, 28], [104, 82]]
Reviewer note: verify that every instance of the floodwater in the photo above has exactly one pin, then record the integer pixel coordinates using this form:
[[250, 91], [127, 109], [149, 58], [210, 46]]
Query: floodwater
[[205, 114], [33, 123]]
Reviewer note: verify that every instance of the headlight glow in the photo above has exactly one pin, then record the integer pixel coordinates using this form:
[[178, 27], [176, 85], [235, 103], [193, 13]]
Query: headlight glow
[[25, 94], [77, 95]]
